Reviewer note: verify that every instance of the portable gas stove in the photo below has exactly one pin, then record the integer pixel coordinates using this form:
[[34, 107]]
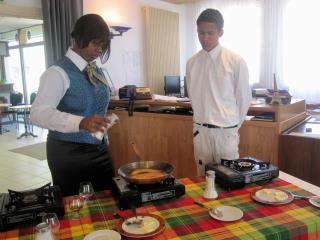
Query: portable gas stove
[[22, 207], [130, 194], [233, 174]]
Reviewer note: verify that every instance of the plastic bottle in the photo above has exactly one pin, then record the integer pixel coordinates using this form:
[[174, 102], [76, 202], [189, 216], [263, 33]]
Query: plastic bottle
[[113, 120]]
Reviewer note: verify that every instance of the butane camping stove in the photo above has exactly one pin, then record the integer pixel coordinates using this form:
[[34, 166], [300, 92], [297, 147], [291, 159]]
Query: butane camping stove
[[233, 174], [130, 194], [17, 208]]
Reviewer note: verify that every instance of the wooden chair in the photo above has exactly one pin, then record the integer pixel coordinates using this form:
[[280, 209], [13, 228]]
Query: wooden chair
[[4, 113]]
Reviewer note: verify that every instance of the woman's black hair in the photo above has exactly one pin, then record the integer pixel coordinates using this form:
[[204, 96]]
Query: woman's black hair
[[213, 16], [92, 27]]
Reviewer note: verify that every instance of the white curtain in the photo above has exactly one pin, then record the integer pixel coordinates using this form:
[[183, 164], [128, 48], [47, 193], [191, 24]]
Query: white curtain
[[274, 37], [242, 29], [301, 49], [271, 43]]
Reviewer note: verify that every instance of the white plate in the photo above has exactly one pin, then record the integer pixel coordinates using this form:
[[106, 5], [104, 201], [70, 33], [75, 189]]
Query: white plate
[[103, 235], [315, 201], [151, 226], [229, 213], [272, 196]]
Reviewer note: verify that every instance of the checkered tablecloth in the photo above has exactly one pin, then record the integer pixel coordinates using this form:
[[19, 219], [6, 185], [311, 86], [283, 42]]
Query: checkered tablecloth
[[185, 220]]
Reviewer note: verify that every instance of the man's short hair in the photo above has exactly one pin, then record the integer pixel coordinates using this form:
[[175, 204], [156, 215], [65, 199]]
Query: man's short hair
[[213, 16]]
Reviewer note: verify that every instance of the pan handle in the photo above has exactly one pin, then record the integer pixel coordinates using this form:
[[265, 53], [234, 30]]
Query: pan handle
[[136, 151]]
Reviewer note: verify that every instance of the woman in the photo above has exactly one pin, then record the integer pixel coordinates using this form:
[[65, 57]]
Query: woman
[[72, 102]]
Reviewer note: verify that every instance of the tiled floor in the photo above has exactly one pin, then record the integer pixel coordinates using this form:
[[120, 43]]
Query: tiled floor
[[17, 171]]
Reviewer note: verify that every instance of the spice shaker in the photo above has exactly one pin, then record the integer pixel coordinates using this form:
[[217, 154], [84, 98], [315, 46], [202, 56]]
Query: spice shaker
[[113, 120], [210, 190]]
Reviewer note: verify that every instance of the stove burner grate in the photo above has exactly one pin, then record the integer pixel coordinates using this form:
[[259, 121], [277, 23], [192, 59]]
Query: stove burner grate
[[20, 207], [245, 164], [22, 199]]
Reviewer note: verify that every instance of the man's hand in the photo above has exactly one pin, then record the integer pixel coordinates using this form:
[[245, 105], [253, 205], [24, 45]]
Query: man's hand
[[94, 123]]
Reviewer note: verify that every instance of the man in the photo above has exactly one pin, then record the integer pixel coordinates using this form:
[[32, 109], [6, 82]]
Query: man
[[219, 91]]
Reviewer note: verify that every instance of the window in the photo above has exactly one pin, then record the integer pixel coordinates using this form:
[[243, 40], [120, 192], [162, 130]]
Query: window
[[301, 49], [26, 62], [13, 70], [34, 66], [242, 32]]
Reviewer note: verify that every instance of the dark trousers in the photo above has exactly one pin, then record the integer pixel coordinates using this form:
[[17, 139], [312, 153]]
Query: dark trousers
[[71, 163]]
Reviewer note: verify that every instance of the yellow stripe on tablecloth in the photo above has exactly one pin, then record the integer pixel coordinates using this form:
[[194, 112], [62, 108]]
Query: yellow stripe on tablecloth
[[301, 213], [243, 228], [192, 187], [76, 231]]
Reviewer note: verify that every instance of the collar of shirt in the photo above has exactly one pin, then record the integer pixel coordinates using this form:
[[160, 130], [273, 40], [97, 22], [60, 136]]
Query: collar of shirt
[[213, 53], [79, 61]]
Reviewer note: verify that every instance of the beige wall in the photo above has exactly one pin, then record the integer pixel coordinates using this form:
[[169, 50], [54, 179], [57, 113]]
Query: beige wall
[[127, 60], [21, 9], [162, 46]]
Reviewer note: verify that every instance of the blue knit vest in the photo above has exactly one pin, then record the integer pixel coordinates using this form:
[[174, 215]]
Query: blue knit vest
[[82, 99]]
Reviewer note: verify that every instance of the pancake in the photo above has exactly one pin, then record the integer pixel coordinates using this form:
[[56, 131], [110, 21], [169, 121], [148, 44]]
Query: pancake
[[146, 173]]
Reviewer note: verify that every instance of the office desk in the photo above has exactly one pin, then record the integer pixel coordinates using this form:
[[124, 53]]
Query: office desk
[[186, 220], [27, 125]]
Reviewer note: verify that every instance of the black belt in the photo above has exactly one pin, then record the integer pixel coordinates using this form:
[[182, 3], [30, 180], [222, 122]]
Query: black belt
[[215, 126]]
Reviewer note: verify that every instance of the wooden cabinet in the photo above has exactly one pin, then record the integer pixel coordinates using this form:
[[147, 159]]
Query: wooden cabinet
[[158, 137], [299, 152], [260, 139], [168, 137]]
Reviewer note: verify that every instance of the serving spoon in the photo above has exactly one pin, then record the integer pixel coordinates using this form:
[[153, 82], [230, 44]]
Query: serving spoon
[[302, 196], [214, 210]]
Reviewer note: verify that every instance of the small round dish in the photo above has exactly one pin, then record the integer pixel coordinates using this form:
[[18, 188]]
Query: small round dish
[[228, 214], [315, 201], [102, 235], [272, 196], [151, 225]]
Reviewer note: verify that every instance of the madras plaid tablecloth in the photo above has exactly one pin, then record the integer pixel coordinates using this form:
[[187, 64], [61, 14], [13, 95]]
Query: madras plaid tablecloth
[[186, 220]]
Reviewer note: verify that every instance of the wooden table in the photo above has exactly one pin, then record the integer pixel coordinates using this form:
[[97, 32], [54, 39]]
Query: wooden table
[[25, 108], [188, 221]]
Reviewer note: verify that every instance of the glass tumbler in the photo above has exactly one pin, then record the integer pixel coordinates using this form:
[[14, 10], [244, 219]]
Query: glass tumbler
[[43, 232]]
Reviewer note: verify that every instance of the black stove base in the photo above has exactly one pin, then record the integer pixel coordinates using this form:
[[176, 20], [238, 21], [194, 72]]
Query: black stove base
[[229, 178], [23, 213], [135, 195]]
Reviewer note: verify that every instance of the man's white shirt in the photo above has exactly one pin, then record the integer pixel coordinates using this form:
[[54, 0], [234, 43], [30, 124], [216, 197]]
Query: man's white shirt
[[218, 87]]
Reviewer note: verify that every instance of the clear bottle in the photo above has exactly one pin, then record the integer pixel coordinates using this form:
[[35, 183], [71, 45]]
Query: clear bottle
[[210, 190], [113, 120]]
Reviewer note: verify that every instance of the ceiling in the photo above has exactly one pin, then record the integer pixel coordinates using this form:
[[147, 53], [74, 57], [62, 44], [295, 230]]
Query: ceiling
[[13, 23], [180, 1]]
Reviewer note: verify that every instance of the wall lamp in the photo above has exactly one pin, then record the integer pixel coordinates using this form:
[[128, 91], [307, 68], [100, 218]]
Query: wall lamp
[[120, 30]]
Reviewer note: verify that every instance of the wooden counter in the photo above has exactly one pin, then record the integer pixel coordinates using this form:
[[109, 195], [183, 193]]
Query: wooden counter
[[158, 137], [168, 137], [299, 152]]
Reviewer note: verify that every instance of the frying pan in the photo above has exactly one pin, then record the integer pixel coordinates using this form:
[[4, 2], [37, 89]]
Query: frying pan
[[125, 171]]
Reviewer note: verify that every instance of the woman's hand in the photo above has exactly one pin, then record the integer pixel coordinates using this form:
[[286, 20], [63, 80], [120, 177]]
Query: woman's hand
[[94, 123]]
